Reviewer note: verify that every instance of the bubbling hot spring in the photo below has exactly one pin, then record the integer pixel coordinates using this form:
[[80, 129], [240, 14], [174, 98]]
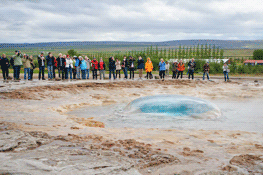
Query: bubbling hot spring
[[174, 105]]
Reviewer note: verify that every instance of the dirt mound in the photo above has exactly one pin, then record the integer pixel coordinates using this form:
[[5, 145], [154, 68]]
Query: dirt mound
[[246, 161], [41, 92]]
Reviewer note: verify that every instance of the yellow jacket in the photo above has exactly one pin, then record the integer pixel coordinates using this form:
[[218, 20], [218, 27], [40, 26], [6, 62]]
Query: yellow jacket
[[148, 65]]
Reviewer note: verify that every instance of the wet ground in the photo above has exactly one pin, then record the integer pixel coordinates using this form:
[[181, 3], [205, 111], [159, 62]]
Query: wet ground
[[45, 131]]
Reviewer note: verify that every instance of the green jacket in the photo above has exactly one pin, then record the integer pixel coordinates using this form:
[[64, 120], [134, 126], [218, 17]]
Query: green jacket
[[17, 60]]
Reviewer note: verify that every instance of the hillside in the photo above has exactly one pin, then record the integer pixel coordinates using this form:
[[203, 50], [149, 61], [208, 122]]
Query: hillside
[[119, 45]]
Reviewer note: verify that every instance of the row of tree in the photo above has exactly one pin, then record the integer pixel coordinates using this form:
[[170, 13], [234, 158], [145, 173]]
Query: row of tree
[[154, 52]]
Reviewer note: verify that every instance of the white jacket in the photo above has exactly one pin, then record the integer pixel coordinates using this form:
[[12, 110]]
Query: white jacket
[[225, 68], [69, 62], [167, 66]]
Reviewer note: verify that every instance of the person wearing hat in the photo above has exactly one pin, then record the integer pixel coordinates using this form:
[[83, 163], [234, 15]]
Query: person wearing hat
[[174, 69], [206, 69], [41, 65], [17, 64], [50, 63]]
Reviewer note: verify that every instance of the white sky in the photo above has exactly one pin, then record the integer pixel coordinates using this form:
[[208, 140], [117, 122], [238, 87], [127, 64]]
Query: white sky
[[129, 20]]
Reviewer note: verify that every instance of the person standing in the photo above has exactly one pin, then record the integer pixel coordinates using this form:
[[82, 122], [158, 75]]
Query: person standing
[[191, 65], [125, 67], [17, 64], [174, 69], [112, 68], [102, 68], [61, 66], [74, 68], [50, 63], [95, 67], [140, 66], [4, 66], [162, 69], [83, 67], [55, 66], [225, 71], [27, 67], [131, 67], [69, 65], [41, 65], [88, 65], [33, 66], [77, 65], [167, 68], [118, 68], [206, 69], [181, 69], [149, 68]]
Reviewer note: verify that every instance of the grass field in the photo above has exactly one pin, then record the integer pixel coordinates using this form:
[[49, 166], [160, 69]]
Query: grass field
[[113, 51]]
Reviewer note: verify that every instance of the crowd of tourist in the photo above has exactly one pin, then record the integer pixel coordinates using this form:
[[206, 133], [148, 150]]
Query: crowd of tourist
[[79, 67]]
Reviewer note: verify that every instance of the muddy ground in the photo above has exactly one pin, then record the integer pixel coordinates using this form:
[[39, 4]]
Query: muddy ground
[[39, 137]]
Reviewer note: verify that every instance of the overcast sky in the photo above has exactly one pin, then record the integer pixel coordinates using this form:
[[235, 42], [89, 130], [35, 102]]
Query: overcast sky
[[129, 20]]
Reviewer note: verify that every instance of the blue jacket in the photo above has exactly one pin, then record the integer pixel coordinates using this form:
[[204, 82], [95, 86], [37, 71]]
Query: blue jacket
[[140, 64], [83, 65], [77, 62], [162, 66], [50, 60]]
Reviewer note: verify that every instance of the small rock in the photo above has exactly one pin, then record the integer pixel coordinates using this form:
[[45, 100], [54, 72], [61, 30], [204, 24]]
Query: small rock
[[229, 168], [186, 149]]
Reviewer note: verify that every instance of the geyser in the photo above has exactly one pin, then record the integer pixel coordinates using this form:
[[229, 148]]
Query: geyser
[[174, 105]]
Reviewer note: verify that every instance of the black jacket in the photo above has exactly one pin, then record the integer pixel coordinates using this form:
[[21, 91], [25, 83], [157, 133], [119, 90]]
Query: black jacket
[[131, 62], [61, 62], [50, 60], [124, 63], [191, 65], [112, 65], [3, 63], [40, 60]]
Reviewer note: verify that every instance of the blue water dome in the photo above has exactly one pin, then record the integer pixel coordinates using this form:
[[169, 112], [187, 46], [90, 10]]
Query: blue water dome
[[174, 105]]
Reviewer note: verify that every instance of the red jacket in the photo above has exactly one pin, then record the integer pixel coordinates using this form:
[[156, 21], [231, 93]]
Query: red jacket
[[101, 66], [181, 67], [95, 64], [55, 62]]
